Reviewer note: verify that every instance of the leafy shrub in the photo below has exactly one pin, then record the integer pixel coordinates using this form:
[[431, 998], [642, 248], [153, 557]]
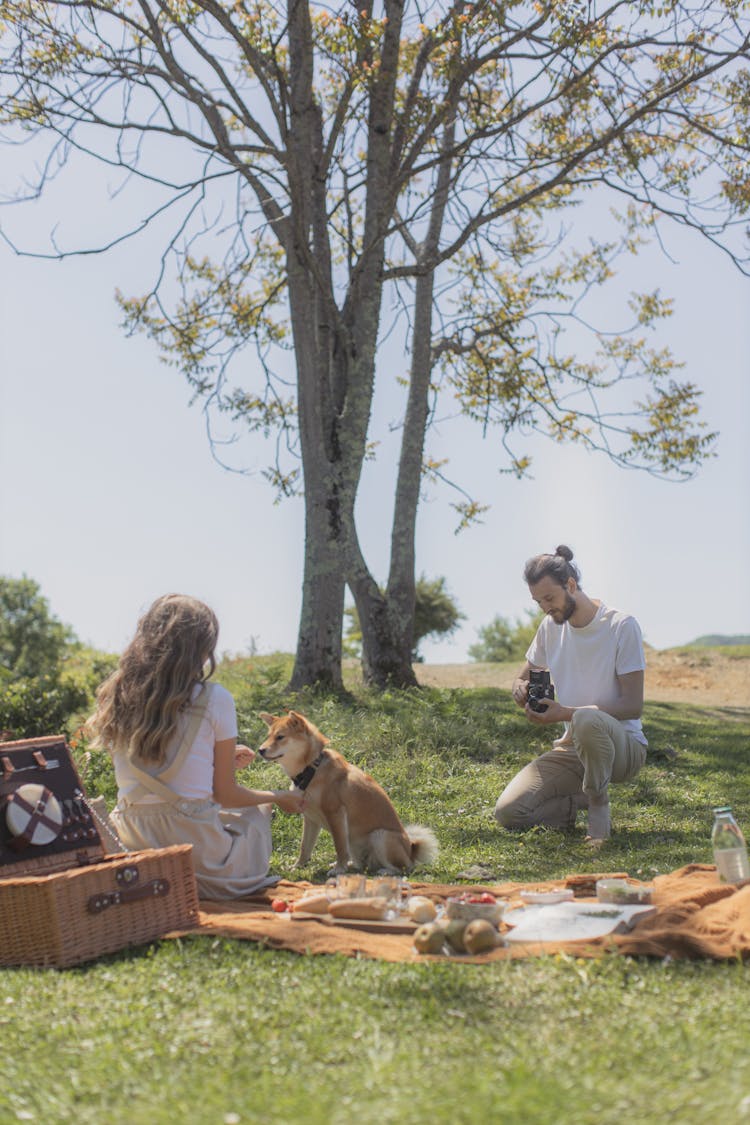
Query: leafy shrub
[[96, 770], [47, 678], [39, 705], [436, 615], [502, 640]]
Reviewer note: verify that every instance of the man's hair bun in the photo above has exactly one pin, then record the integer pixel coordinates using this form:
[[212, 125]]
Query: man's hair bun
[[559, 567]]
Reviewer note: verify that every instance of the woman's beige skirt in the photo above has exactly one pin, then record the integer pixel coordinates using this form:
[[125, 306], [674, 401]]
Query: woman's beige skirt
[[231, 847]]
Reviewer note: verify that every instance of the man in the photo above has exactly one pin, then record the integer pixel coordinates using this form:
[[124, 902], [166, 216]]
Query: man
[[595, 658]]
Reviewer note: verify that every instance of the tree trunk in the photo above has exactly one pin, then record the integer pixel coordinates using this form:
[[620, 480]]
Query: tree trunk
[[387, 623], [386, 642], [313, 317], [335, 348], [318, 656], [327, 496]]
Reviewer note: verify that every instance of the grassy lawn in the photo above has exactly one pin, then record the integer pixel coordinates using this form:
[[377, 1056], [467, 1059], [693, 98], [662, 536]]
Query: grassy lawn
[[218, 1032]]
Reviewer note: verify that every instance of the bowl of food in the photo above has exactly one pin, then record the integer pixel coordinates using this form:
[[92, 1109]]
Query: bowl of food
[[468, 906], [546, 898], [620, 893]]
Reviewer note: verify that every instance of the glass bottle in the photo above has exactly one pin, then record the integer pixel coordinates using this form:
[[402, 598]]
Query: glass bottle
[[730, 850]]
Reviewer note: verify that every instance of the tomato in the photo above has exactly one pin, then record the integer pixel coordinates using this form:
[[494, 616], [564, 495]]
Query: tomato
[[487, 897], [279, 905]]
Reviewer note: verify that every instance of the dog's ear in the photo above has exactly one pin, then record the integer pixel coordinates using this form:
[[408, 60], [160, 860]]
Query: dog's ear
[[269, 720], [299, 722]]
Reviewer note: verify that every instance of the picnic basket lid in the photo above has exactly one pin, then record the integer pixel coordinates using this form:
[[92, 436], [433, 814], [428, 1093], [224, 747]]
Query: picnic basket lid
[[46, 822]]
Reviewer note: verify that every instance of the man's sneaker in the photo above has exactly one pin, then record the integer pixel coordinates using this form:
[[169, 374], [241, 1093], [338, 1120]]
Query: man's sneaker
[[600, 823]]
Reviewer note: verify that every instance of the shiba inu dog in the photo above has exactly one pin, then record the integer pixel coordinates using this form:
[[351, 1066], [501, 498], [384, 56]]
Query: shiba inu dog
[[344, 800]]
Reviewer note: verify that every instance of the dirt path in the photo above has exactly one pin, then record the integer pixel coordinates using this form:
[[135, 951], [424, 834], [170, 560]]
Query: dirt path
[[705, 677]]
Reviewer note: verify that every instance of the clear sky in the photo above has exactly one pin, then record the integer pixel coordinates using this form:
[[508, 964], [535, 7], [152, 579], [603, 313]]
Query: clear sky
[[109, 495]]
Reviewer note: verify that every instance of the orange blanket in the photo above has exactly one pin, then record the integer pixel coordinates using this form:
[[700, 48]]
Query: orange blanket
[[695, 916]]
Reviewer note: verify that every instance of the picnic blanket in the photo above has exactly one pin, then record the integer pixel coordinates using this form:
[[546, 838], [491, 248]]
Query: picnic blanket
[[695, 916]]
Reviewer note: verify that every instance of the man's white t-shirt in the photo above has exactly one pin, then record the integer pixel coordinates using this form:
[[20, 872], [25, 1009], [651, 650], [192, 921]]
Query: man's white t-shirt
[[195, 780], [584, 662]]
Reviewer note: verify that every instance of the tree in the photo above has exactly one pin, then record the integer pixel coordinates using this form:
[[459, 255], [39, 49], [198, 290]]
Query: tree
[[423, 157], [502, 640], [32, 641], [435, 615], [36, 698]]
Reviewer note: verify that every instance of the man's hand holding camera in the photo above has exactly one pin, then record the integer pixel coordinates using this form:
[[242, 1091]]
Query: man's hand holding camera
[[549, 712], [537, 697], [520, 691]]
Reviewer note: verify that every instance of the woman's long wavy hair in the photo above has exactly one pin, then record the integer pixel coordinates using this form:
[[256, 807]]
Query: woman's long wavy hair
[[138, 706]]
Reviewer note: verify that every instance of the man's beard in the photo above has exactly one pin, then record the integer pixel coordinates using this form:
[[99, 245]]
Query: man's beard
[[562, 615]]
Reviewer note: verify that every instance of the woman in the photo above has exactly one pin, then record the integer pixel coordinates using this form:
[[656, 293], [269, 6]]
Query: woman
[[173, 740]]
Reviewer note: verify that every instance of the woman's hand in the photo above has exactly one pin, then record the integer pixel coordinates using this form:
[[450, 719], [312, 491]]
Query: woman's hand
[[243, 756], [289, 800]]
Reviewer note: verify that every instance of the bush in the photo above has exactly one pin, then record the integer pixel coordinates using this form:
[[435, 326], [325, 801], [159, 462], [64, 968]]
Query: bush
[[47, 678], [436, 615], [502, 641], [40, 705]]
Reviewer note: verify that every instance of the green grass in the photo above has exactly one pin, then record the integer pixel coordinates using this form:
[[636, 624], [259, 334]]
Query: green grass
[[220, 1032], [732, 651], [197, 1031]]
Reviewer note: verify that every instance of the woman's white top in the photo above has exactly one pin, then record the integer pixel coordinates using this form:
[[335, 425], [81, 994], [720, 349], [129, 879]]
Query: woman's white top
[[195, 780]]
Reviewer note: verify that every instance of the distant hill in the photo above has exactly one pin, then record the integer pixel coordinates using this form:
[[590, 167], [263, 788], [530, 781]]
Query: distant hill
[[718, 639]]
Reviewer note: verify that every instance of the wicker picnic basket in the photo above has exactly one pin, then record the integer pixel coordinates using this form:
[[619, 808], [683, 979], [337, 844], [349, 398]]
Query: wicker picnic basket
[[77, 915], [63, 901]]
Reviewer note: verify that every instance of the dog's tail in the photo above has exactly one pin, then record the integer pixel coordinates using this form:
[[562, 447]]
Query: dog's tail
[[424, 845]]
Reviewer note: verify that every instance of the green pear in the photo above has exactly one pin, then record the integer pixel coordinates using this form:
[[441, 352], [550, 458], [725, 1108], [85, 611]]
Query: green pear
[[429, 938], [479, 936], [454, 934]]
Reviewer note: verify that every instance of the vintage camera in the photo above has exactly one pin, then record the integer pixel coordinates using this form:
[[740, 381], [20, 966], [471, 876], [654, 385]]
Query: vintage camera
[[540, 688]]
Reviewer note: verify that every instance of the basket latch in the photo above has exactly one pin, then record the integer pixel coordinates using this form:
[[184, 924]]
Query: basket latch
[[127, 879]]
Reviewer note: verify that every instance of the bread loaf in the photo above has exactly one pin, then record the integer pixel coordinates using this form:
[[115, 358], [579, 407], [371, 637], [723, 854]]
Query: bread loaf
[[421, 909], [312, 904], [368, 909]]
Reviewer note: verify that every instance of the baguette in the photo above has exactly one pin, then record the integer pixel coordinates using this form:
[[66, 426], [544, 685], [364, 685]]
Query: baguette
[[367, 909], [312, 904]]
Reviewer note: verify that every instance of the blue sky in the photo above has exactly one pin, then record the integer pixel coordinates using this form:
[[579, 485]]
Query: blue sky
[[109, 495]]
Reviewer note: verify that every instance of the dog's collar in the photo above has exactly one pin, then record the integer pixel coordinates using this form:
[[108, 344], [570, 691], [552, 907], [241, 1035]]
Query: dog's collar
[[303, 779]]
